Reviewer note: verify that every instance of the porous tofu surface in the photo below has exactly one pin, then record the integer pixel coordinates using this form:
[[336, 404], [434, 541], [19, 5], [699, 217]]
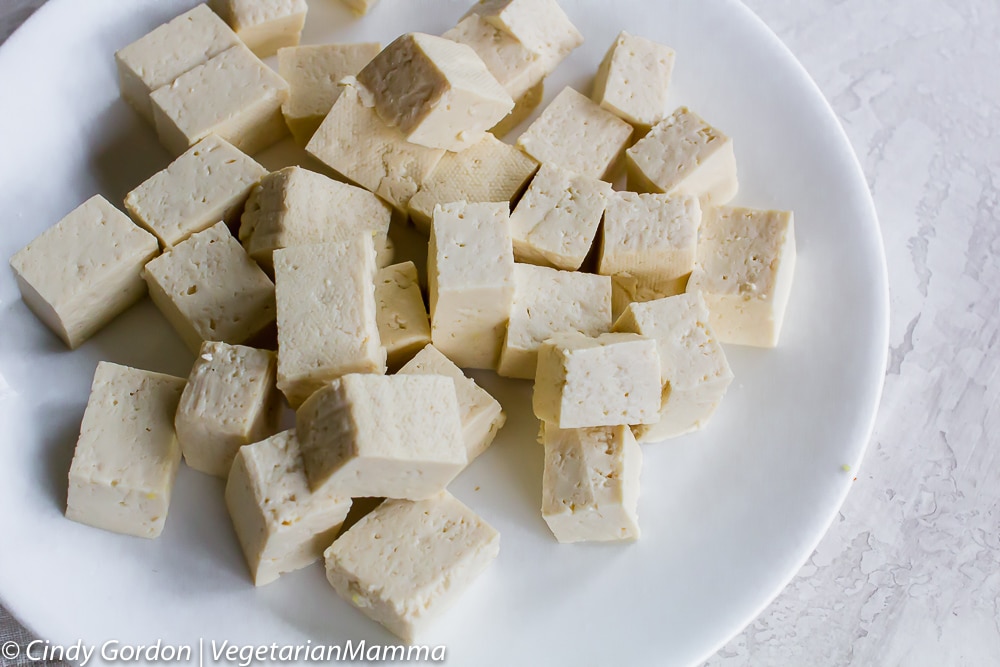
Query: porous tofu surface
[[633, 79]]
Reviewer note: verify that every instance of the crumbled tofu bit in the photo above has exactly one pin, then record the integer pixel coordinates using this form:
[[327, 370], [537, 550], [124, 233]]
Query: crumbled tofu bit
[[633, 80], [541, 25], [517, 68], [403, 325], [264, 25]]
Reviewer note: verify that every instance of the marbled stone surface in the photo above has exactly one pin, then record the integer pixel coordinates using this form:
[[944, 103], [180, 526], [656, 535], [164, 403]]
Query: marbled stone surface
[[909, 574]]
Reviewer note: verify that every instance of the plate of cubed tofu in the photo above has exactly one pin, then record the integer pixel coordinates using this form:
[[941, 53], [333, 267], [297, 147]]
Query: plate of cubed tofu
[[523, 331]]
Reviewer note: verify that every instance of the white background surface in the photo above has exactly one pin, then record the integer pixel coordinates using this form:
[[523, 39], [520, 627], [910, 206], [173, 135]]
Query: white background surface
[[910, 572]]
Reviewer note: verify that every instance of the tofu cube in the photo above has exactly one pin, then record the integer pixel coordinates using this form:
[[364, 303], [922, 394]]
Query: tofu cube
[[209, 289], [403, 325], [517, 68], [281, 524], [746, 259], [80, 274], [233, 95], [406, 562], [295, 206], [633, 79], [489, 171], [126, 458], [313, 74], [541, 25], [470, 274], [396, 436], [170, 50], [229, 401], [694, 369], [651, 237], [354, 142], [590, 484], [264, 25], [556, 221], [208, 183], [524, 106], [684, 155], [360, 7], [482, 415], [327, 315], [547, 302], [604, 381], [626, 289], [576, 134], [439, 93]]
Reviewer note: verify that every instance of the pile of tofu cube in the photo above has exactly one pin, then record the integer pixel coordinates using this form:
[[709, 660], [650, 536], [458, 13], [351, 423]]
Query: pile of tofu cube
[[615, 303]]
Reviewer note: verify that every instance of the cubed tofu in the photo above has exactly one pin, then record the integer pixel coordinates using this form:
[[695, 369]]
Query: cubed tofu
[[439, 93], [470, 275], [264, 25], [626, 289], [556, 221], [327, 315], [547, 302], [489, 171], [482, 415], [403, 325], [633, 80], [746, 259], [517, 68], [523, 108], [389, 436], [354, 142], [406, 562], [609, 380], [233, 95], [313, 74], [127, 456], [295, 206], [541, 25], [208, 288], [360, 7], [590, 484], [229, 401], [170, 50], [651, 237], [81, 273], [208, 183], [694, 369], [281, 524], [576, 134], [684, 155]]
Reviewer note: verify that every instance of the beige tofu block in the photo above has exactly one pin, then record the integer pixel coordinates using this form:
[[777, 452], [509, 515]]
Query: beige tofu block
[[229, 401], [313, 74], [209, 289], [746, 260], [354, 142], [684, 155], [650, 237], [548, 302], [576, 134], [327, 315], [403, 325], [83, 272], [482, 415], [126, 458], [295, 206], [633, 79], [517, 68], [693, 365], [360, 7], [395, 436], [233, 95], [406, 562], [264, 25], [489, 171], [281, 524], [590, 484], [170, 50], [439, 93], [555, 222], [208, 183], [470, 276], [627, 289], [523, 108], [604, 381], [541, 25]]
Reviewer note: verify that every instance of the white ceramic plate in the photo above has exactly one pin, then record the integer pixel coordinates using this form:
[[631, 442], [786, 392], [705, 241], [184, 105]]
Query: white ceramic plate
[[728, 515]]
